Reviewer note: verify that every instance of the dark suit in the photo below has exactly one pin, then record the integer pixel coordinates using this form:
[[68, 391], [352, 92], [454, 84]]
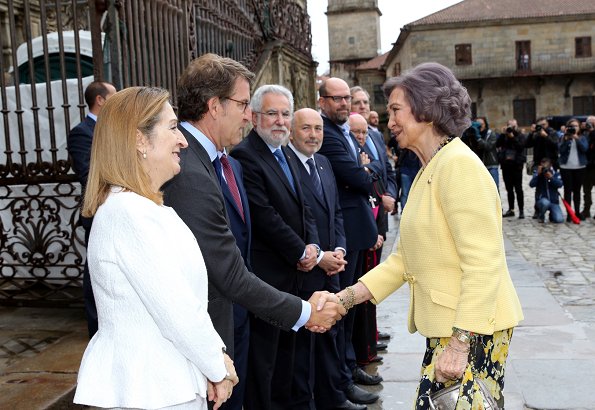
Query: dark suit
[[321, 350], [196, 196], [282, 226], [79, 144], [354, 185], [241, 229]]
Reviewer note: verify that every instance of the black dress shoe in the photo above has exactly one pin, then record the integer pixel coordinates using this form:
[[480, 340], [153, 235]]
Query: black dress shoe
[[376, 359], [508, 214], [347, 405], [383, 336], [381, 346], [360, 396], [521, 215], [361, 377]]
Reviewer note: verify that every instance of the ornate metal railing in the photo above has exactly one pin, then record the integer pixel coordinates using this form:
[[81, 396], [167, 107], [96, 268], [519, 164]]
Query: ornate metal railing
[[144, 42]]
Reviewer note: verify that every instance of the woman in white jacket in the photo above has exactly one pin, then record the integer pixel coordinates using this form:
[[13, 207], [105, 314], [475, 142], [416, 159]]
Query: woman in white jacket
[[156, 346]]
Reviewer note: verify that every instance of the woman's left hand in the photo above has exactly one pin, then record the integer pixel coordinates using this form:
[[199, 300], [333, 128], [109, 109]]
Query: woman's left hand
[[453, 361]]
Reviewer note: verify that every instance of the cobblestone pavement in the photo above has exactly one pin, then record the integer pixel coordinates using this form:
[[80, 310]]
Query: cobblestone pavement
[[564, 254]]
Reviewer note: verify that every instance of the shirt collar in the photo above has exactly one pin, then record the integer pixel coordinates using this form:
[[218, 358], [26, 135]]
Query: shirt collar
[[202, 139], [92, 116], [301, 156]]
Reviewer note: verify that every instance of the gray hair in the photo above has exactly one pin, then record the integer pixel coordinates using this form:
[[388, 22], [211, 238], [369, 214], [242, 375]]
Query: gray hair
[[436, 96], [256, 101], [357, 89]]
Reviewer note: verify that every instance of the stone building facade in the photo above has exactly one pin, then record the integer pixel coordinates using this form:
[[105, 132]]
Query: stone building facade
[[518, 60], [354, 35]]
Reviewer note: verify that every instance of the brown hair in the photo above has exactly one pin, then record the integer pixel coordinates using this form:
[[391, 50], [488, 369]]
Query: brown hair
[[206, 77], [115, 160]]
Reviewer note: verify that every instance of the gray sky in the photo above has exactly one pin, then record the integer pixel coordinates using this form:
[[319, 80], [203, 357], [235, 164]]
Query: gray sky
[[395, 14]]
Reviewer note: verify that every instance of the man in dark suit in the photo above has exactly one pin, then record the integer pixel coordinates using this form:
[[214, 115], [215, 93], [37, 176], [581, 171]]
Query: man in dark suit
[[360, 103], [213, 98], [284, 242], [354, 183], [320, 191], [79, 143], [229, 173]]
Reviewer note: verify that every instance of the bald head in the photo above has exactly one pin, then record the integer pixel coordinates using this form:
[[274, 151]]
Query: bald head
[[359, 127], [335, 100], [306, 131]]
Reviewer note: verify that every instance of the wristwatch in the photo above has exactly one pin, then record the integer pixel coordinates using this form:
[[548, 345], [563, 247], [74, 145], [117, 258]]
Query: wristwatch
[[462, 335]]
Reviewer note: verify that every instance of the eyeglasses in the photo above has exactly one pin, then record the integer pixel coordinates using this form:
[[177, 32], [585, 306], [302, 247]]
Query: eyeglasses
[[245, 103], [338, 98], [274, 114]]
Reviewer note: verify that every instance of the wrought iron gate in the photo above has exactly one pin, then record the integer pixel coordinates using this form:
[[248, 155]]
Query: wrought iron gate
[[45, 65]]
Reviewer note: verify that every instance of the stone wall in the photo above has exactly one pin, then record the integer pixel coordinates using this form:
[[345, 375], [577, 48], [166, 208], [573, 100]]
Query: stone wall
[[494, 79]]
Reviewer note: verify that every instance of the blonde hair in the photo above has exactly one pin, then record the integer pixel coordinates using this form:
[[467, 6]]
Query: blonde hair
[[115, 160]]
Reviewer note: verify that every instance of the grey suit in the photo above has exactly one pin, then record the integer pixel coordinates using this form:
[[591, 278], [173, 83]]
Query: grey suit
[[196, 196]]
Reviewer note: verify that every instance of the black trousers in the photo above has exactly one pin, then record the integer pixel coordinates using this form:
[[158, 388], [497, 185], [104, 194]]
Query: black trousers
[[512, 173], [345, 326], [271, 361], [573, 182]]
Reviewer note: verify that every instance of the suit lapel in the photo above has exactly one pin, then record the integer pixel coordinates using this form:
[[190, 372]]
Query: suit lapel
[[325, 180], [269, 159], [307, 182], [198, 151]]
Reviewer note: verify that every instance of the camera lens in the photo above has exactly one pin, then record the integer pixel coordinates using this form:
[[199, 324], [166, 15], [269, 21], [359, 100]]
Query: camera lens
[[509, 130]]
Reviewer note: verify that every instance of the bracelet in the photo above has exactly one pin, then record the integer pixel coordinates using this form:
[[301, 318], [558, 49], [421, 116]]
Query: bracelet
[[349, 301], [462, 335]]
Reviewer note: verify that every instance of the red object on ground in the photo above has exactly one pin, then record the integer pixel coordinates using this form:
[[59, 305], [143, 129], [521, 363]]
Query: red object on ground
[[575, 219]]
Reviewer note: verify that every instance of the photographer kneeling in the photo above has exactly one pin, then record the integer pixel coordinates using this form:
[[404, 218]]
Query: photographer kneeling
[[546, 182]]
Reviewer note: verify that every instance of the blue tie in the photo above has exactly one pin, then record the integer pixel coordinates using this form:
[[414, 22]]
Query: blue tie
[[350, 142], [315, 177], [372, 146], [281, 159]]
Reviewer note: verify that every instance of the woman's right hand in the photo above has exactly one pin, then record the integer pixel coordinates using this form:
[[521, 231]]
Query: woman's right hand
[[220, 392]]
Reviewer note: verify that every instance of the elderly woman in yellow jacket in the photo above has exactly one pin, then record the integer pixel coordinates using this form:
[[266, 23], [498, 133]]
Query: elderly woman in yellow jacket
[[451, 251]]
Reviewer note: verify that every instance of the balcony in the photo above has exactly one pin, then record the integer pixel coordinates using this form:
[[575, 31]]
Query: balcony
[[543, 65]]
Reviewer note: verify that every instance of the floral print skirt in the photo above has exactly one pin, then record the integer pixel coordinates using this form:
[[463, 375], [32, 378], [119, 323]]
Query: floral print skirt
[[487, 359]]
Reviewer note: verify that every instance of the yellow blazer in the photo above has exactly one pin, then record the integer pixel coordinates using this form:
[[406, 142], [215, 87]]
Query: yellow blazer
[[451, 251]]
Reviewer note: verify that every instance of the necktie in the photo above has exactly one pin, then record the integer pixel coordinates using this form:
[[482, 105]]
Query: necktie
[[372, 146], [232, 184], [315, 177], [281, 159], [350, 142]]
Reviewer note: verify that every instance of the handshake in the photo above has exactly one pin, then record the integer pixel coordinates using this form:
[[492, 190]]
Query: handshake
[[326, 310]]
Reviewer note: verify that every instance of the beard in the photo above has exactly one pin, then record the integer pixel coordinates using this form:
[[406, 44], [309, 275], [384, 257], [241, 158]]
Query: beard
[[274, 139]]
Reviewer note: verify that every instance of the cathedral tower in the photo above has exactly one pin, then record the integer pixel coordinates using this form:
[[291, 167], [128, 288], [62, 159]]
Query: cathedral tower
[[354, 35]]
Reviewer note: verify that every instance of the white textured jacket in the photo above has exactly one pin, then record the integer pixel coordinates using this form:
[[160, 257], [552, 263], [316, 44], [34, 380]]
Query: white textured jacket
[[156, 345]]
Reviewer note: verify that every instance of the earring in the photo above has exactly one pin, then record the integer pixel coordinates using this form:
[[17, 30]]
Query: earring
[[145, 155], [430, 124]]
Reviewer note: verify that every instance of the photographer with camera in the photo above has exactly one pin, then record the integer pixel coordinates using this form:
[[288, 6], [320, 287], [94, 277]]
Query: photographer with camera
[[512, 159], [544, 141], [573, 163], [589, 180], [482, 140], [546, 182]]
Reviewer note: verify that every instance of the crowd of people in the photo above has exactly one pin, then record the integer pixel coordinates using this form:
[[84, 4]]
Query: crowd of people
[[243, 272], [563, 158]]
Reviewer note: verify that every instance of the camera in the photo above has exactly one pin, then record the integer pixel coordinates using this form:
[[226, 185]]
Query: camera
[[588, 125], [538, 128], [545, 170], [570, 130], [509, 130]]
